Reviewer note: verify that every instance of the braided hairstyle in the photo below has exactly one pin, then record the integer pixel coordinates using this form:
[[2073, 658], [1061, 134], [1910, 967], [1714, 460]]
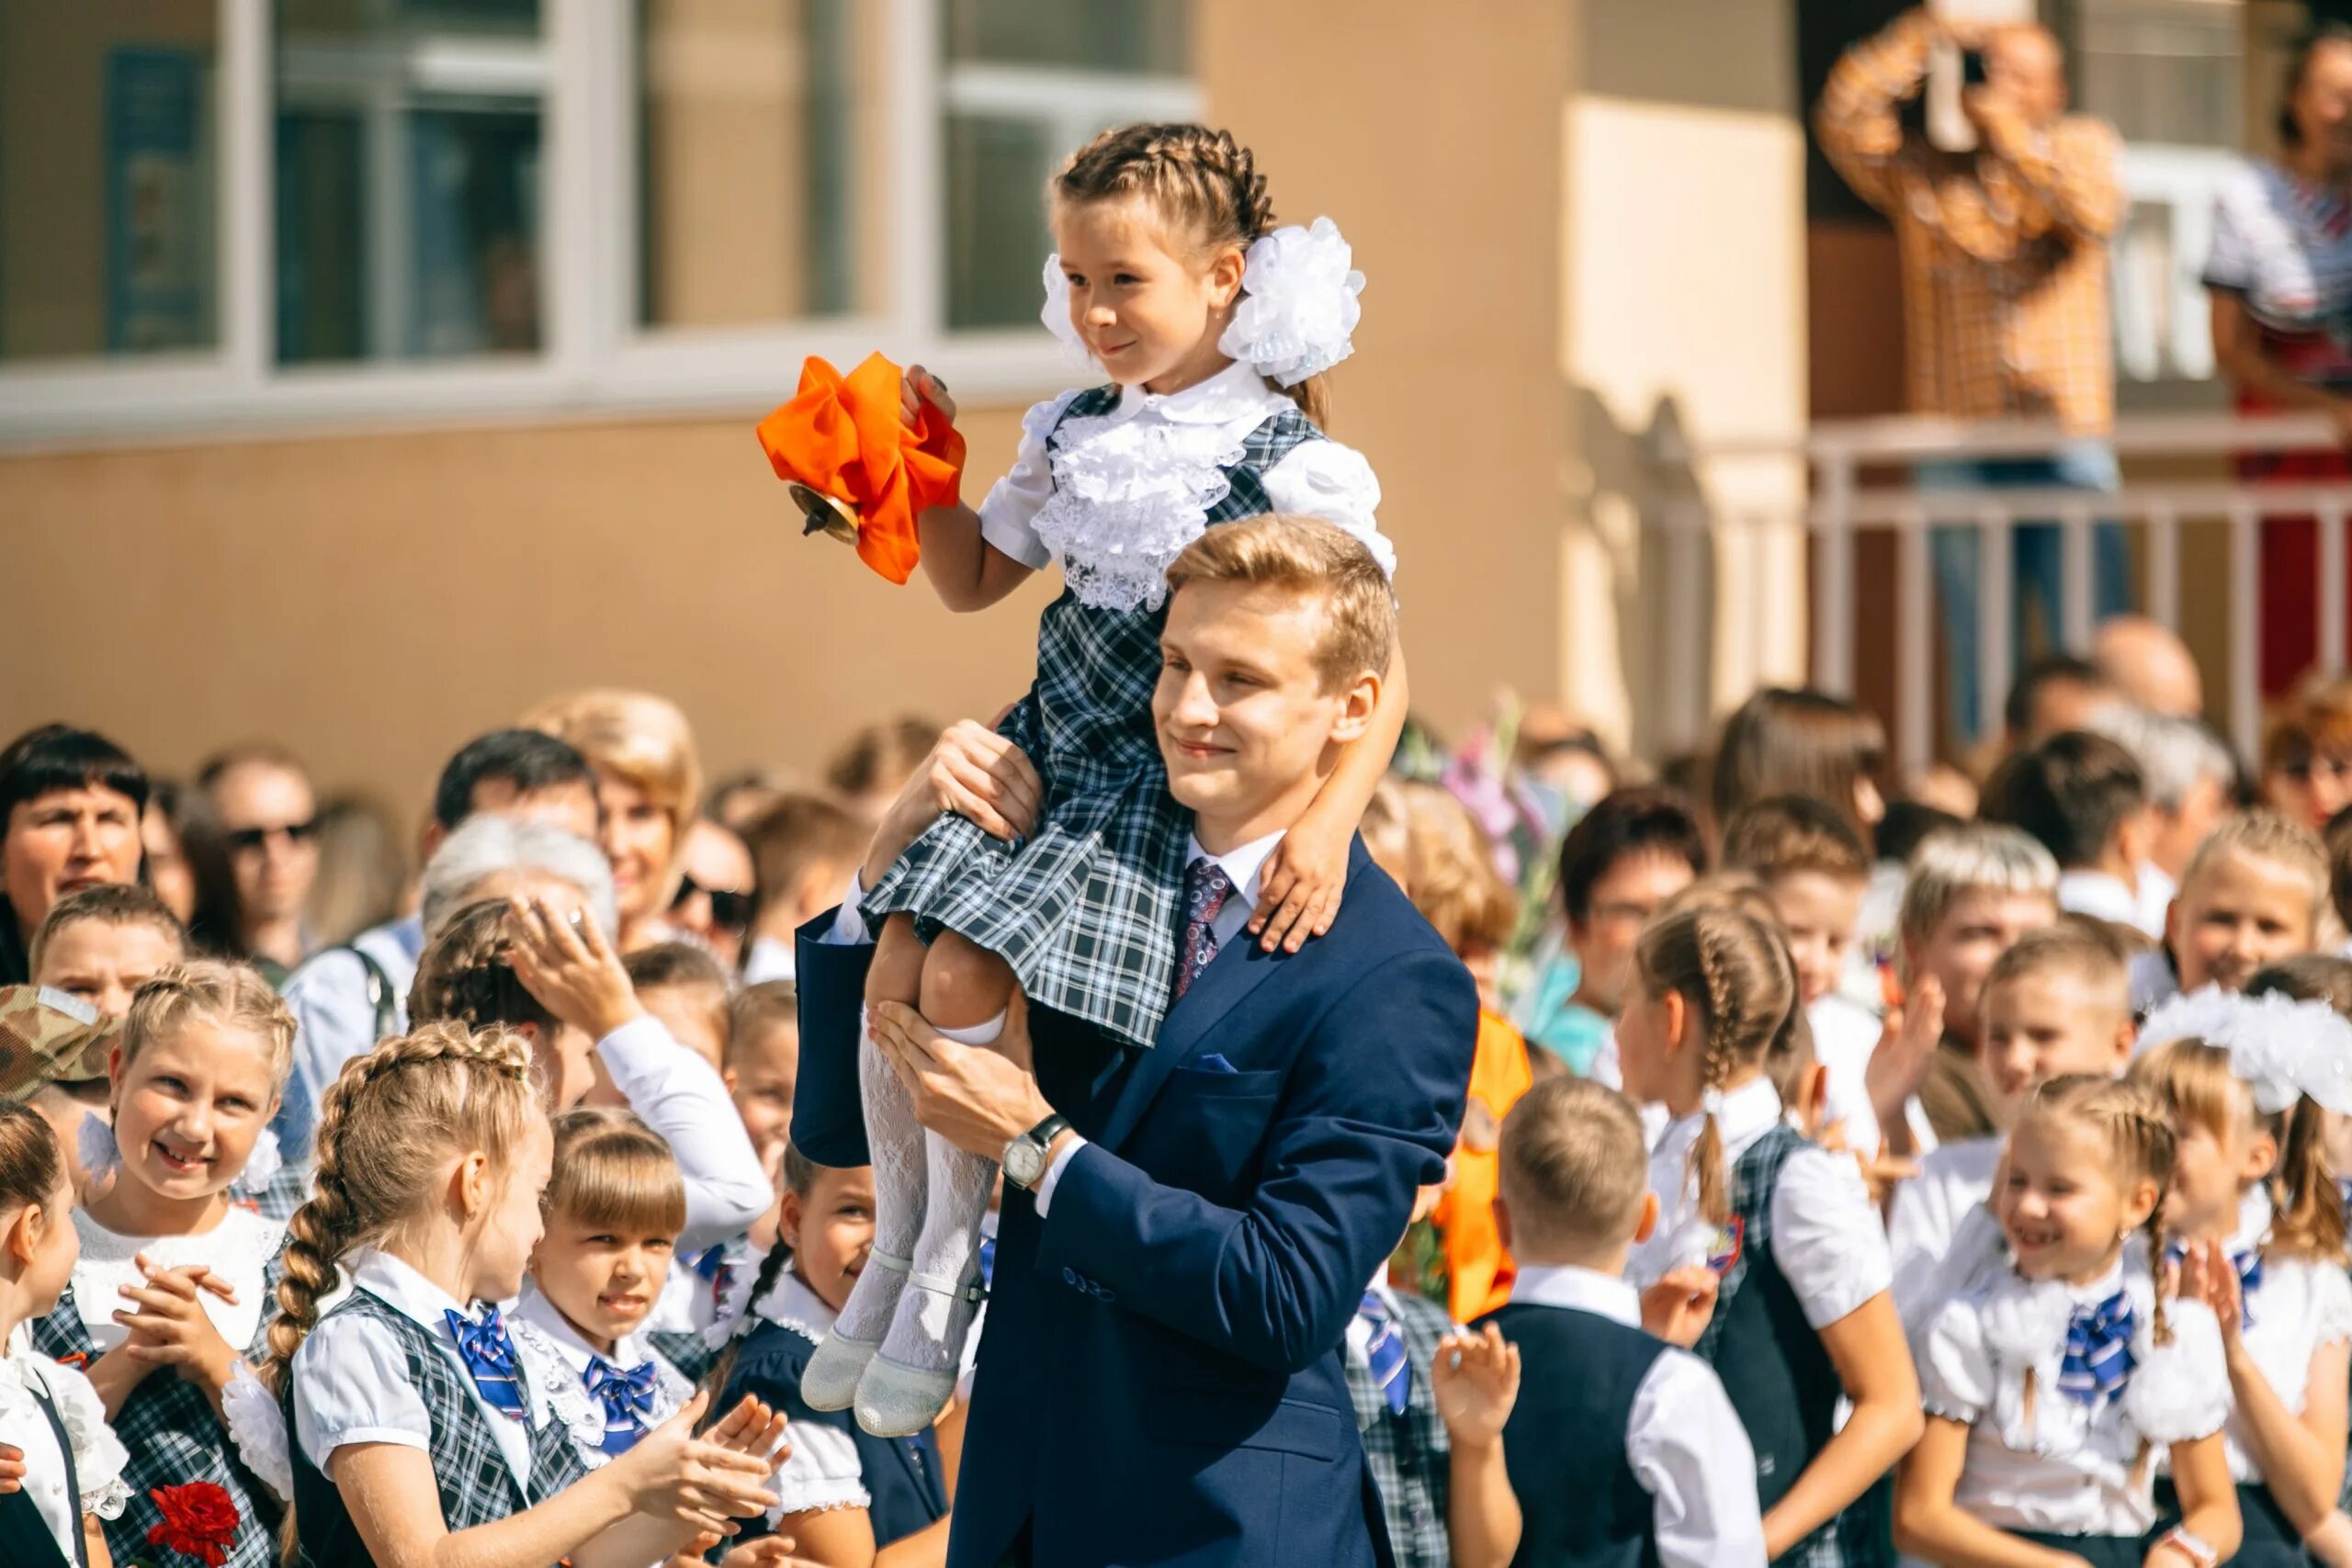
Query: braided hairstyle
[[388, 1125], [800, 1179], [1734, 973], [231, 994], [1203, 183], [2137, 1131]]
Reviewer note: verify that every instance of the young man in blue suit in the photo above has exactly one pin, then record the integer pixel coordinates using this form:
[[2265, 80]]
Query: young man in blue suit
[[1186, 1230]]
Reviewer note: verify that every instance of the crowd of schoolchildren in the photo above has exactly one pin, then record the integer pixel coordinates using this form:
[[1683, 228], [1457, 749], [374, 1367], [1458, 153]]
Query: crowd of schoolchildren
[[1954, 1170], [2006, 1229]]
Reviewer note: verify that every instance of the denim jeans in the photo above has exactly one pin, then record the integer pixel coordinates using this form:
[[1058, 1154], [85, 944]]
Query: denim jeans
[[2037, 564]]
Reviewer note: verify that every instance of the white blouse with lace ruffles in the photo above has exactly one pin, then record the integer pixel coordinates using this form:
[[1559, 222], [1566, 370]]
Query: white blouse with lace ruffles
[[1123, 492], [98, 1455]]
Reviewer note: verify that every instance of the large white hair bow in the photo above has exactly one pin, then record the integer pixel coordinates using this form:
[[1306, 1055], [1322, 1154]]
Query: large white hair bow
[[1298, 304], [2279, 1048]]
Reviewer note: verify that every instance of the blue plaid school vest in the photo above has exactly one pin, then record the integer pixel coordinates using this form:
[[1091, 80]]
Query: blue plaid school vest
[[1777, 1374], [476, 1486]]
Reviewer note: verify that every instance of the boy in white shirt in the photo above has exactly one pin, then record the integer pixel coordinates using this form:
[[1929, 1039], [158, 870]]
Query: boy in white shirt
[[2084, 799], [2056, 1003]]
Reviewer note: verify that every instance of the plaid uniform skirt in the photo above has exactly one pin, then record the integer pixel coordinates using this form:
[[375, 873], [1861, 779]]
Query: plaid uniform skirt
[[1086, 909]]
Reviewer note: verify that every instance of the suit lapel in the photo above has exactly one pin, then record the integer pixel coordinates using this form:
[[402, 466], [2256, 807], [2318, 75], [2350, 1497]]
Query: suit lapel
[[1239, 968]]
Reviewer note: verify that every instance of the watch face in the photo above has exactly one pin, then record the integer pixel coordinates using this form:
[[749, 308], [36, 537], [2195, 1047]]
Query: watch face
[[1024, 1161]]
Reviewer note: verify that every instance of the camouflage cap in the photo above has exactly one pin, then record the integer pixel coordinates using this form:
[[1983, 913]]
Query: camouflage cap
[[48, 1036]]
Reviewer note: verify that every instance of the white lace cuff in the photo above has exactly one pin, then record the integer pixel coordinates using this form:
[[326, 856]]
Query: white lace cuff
[[816, 1494], [2179, 1392], [99, 1458], [257, 1425]]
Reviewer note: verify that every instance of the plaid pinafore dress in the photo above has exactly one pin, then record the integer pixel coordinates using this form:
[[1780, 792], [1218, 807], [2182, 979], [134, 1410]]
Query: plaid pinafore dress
[[1085, 910], [173, 1437]]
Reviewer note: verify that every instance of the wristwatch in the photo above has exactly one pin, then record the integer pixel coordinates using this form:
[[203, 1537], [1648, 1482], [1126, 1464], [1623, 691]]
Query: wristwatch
[[1024, 1157]]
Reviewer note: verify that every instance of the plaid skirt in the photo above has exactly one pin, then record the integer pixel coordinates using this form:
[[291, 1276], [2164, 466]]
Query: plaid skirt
[[1086, 909]]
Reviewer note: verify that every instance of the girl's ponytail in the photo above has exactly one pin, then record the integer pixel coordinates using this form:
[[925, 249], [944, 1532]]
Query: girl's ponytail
[[722, 1371], [2308, 1219]]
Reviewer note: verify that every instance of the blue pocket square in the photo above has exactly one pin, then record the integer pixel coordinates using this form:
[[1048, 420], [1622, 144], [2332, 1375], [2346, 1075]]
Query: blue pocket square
[[1212, 1063]]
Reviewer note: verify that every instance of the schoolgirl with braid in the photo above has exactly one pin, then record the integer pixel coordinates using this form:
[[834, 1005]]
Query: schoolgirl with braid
[[1212, 329], [848, 1497], [1801, 1315], [168, 1298], [2056, 1390], [411, 1418]]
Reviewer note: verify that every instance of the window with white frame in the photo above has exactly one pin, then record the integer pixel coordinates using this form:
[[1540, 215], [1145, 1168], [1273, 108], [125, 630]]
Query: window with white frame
[[226, 213], [1025, 82]]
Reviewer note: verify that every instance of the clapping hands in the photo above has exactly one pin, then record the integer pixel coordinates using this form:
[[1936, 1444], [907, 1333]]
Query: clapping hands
[[1475, 1377]]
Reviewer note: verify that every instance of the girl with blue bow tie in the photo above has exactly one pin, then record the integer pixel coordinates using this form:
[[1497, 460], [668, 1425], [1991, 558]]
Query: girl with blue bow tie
[[614, 1209], [2052, 1389], [2260, 1229], [412, 1417]]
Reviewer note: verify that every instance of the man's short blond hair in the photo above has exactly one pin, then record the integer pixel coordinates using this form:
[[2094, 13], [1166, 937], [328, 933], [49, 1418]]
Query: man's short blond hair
[[1575, 1166], [1280, 549]]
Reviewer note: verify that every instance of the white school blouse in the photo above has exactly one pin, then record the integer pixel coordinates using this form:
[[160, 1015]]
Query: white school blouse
[[2054, 1463], [1131, 488], [823, 1469], [351, 1382], [1683, 1442], [238, 1250], [2300, 1305], [558, 1359], [1825, 1237], [1953, 1180], [98, 1455], [682, 1096]]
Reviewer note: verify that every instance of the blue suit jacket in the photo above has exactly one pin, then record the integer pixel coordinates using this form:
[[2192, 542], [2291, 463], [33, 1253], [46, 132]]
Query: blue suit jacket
[[1160, 1379]]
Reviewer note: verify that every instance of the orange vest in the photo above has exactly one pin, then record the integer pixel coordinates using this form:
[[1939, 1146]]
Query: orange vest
[[1479, 1270]]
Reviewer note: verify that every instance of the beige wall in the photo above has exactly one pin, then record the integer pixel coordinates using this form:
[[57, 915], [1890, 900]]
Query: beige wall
[[374, 599]]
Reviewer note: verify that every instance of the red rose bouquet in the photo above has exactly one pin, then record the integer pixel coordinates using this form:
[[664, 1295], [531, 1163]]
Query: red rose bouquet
[[200, 1521]]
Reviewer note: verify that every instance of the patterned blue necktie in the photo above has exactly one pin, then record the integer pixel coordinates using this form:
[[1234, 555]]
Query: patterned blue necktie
[[715, 1267], [1392, 1373], [1206, 887], [2099, 1350], [627, 1399], [987, 1260], [490, 1359]]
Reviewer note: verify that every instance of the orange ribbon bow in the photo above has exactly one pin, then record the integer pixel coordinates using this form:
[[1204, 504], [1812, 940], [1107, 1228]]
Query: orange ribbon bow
[[845, 439]]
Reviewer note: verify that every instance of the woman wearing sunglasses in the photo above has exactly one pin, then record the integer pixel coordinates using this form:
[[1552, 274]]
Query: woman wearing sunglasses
[[713, 904], [264, 819]]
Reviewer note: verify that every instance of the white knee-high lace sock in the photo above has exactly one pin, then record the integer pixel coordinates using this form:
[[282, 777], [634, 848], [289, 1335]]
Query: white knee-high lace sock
[[895, 1141], [935, 1311]]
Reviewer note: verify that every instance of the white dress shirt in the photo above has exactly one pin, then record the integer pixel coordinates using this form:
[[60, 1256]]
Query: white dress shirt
[[558, 1358], [2105, 897], [1683, 1440], [351, 1379], [2302, 1305], [1826, 1237], [1245, 866], [682, 1096], [2047, 1462], [770, 958], [1954, 1180], [99, 1456], [1845, 1036]]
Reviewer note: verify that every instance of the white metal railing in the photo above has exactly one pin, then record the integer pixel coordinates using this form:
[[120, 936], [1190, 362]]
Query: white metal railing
[[1842, 505]]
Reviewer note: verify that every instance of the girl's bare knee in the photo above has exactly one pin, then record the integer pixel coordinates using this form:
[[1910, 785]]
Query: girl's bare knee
[[963, 983]]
